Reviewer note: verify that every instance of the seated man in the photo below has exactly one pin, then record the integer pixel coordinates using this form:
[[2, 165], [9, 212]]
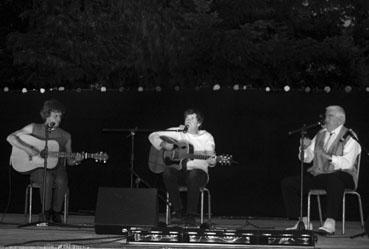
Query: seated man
[[56, 183], [194, 174], [333, 153]]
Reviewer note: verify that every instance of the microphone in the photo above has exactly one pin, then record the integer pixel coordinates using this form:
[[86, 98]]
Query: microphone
[[185, 129], [51, 125], [307, 127]]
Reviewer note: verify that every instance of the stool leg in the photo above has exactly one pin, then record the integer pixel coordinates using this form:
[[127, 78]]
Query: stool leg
[[202, 208], [167, 210], [360, 210], [26, 204], [343, 212], [65, 214], [30, 205], [320, 210], [308, 210], [209, 207]]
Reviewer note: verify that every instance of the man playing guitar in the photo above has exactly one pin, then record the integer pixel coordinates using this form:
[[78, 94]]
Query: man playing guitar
[[191, 173], [56, 179]]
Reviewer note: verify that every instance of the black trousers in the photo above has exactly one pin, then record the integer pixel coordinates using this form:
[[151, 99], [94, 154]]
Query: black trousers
[[334, 183], [193, 179]]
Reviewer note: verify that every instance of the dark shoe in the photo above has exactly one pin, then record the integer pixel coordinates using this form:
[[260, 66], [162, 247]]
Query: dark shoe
[[56, 217], [189, 220], [46, 217]]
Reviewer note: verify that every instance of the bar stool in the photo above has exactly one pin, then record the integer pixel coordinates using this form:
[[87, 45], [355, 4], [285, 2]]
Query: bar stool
[[203, 191], [321, 192], [29, 198]]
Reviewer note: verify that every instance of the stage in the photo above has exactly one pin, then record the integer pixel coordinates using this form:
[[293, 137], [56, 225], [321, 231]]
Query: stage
[[80, 233]]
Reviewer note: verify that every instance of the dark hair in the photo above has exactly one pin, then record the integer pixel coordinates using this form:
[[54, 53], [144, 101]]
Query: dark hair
[[51, 105], [199, 115]]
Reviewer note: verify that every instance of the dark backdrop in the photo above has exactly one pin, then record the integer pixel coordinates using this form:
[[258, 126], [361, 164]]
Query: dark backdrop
[[251, 125]]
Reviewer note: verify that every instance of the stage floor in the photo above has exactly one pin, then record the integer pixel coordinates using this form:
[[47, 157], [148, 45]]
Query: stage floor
[[80, 234]]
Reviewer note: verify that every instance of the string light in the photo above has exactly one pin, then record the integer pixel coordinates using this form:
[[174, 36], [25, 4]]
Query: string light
[[327, 89], [216, 87], [348, 89]]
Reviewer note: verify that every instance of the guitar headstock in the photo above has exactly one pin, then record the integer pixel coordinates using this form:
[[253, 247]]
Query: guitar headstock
[[100, 157], [224, 159]]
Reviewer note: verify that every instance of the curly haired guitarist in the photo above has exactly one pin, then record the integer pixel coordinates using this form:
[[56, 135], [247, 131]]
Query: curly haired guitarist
[[56, 179]]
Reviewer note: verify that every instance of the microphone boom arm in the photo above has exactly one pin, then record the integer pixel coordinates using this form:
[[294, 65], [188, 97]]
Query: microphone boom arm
[[304, 128]]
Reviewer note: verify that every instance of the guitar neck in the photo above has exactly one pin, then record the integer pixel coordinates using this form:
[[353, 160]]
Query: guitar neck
[[85, 155], [61, 154], [197, 156]]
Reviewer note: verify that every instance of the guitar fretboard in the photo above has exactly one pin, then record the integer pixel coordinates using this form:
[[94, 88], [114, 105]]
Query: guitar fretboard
[[197, 156], [85, 155]]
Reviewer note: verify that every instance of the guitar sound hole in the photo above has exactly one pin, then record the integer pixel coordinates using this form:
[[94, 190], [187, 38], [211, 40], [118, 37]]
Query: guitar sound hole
[[43, 154]]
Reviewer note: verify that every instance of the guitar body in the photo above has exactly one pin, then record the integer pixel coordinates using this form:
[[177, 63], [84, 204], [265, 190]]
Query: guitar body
[[179, 156], [22, 162], [156, 163], [161, 159]]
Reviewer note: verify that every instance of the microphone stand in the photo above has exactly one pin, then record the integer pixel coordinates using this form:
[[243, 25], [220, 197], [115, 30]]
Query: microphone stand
[[301, 225], [302, 131], [44, 154], [134, 175], [132, 133]]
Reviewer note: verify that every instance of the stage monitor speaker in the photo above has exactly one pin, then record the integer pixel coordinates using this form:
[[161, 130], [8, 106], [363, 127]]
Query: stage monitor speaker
[[117, 208]]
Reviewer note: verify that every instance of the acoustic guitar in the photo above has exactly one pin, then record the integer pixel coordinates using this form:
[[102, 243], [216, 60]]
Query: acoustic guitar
[[22, 162], [177, 158]]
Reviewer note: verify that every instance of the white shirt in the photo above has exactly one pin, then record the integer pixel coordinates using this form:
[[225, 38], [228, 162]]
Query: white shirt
[[202, 142], [350, 151]]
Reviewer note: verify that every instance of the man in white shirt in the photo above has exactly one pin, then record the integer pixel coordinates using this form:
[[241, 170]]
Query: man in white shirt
[[333, 153], [194, 173]]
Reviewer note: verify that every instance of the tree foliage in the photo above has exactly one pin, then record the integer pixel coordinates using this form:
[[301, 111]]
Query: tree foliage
[[159, 42]]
